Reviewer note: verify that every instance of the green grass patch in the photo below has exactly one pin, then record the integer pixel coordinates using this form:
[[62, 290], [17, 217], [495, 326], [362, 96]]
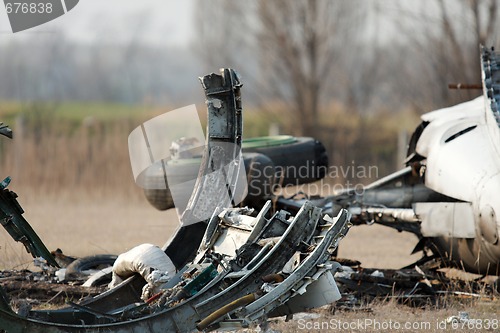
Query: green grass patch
[[73, 111]]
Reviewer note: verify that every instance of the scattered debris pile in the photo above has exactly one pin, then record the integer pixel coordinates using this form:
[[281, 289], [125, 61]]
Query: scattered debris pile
[[42, 290], [48, 287], [359, 286], [417, 286]]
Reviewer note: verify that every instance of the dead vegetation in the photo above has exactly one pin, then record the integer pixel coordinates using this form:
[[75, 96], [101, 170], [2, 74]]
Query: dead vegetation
[[387, 315], [37, 290], [55, 150]]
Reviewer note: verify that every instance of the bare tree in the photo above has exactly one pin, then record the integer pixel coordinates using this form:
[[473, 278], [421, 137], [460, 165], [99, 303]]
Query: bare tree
[[299, 42], [222, 32], [458, 47], [446, 35], [286, 50], [225, 36]]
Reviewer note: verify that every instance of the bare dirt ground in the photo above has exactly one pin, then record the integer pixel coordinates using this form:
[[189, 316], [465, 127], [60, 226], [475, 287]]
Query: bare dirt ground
[[85, 225]]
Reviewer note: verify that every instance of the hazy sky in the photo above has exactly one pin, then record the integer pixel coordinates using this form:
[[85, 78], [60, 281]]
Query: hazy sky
[[165, 22]]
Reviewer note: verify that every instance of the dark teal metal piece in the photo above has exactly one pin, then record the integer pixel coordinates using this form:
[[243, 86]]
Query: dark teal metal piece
[[201, 280], [13, 221]]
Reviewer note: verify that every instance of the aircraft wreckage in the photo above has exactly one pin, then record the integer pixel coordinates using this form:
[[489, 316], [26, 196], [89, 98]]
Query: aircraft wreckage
[[231, 267], [242, 254]]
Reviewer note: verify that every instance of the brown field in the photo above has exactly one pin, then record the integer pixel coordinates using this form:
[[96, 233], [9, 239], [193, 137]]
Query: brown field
[[91, 224], [82, 225]]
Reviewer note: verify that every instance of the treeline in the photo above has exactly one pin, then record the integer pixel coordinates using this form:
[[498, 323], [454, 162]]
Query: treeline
[[57, 69]]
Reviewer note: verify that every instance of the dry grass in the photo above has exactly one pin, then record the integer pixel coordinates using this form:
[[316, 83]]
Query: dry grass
[[88, 160], [392, 317]]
